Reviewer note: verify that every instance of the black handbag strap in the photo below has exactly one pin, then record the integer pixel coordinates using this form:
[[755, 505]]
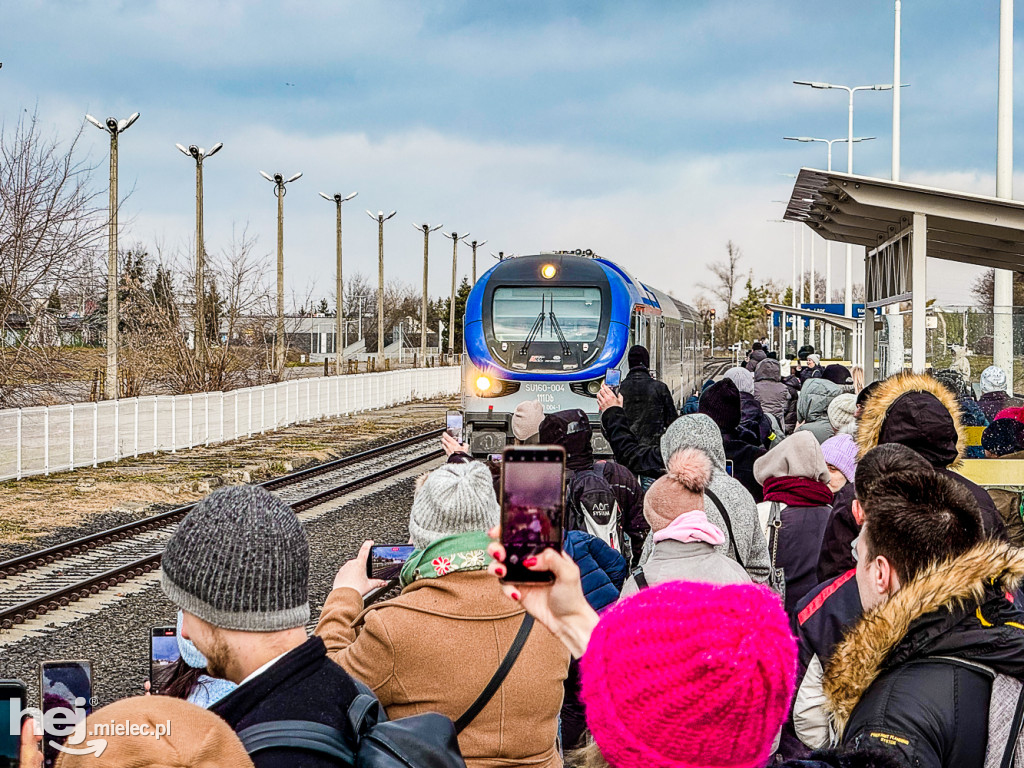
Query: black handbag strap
[[297, 734], [499, 677], [639, 579], [728, 525]]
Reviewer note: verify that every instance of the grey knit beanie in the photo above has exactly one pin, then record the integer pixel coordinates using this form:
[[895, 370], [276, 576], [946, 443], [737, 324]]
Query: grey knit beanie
[[455, 498], [799, 455], [240, 560]]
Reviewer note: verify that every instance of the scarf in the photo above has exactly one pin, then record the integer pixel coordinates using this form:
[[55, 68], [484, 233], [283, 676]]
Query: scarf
[[459, 552], [797, 491], [691, 526]]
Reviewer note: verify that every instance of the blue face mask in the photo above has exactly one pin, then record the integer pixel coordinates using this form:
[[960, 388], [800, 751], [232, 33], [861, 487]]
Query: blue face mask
[[189, 652]]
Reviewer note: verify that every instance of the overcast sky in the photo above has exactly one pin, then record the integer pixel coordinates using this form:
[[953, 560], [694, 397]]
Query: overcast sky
[[650, 132]]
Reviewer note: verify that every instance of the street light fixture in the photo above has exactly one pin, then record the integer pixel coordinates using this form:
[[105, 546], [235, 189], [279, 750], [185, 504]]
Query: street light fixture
[[199, 154], [380, 218], [848, 303], [476, 244], [426, 229], [455, 237], [279, 182], [114, 127], [337, 199]]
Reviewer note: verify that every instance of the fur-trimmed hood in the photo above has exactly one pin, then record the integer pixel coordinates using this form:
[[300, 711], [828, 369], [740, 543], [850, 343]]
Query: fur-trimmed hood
[[920, 421], [945, 610]]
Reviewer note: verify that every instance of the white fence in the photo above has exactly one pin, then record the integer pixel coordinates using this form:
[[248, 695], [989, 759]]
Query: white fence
[[38, 441]]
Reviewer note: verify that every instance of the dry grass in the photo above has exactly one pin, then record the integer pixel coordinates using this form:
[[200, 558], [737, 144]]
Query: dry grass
[[36, 506]]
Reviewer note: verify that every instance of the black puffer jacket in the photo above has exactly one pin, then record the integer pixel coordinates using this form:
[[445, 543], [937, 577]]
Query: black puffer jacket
[[648, 405], [771, 393], [993, 402], [836, 556], [889, 688]]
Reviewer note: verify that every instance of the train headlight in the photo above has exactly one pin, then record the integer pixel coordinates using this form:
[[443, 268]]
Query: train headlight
[[548, 271], [593, 387], [483, 383]]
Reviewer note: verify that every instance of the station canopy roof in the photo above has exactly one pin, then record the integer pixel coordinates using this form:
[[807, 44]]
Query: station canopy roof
[[860, 210]]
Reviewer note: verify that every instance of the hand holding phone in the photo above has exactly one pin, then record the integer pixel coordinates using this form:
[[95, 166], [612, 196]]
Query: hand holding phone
[[163, 654], [532, 507], [386, 560], [453, 425], [613, 378], [67, 685], [12, 704]]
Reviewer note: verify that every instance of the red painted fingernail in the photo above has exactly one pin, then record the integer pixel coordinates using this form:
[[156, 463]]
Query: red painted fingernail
[[500, 570], [530, 562], [515, 595]]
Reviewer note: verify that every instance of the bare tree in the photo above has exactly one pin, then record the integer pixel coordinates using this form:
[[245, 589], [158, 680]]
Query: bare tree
[[727, 278], [51, 223]]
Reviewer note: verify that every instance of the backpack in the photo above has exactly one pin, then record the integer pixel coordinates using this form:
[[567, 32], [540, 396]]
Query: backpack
[[429, 740], [591, 506]]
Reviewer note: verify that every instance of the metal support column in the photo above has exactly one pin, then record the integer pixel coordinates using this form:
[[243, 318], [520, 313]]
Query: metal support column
[[919, 283]]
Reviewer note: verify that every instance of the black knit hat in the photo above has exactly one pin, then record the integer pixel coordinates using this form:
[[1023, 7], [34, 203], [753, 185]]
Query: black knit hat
[[637, 356], [570, 429], [837, 374], [1003, 436], [240, 560], [722, 403]]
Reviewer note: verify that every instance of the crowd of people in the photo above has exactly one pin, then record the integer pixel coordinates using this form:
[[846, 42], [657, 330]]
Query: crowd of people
[[797, 576]]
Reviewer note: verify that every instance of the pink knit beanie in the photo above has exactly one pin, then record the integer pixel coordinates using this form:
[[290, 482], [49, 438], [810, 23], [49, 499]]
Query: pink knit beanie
[[688, 675], [680, 490]]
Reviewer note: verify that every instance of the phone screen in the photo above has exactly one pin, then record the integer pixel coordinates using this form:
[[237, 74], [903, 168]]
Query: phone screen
[[453, 423], [386, 560], [728, 467], [163, 653], [12, 694], [61, 683], [613, 377], [532, 503]]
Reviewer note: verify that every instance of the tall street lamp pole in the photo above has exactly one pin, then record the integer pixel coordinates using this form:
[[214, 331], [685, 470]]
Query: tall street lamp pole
[[199, 154], [114, 127], [279, 182], [1002, 289], [475, 244], [848, 308], [339, 303], [454, 237], [380, 218], [426, 229]]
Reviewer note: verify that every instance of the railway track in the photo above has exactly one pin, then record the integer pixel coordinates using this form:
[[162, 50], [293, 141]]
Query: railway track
[[33, 584]]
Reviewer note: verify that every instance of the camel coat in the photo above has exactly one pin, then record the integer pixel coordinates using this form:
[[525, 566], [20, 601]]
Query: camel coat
[[434, 648]]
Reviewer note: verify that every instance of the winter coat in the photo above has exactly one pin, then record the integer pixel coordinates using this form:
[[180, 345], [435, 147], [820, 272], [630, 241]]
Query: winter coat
[[674, 560], [919, 412], [602, 569], [755, 359], [836, 556], [752, 418], [806, 374], [743, 448], [434, 648], [769, 390], [698, 431], [886, 687], [993, 402], [793, 384], [648, 403], [302, 685], [812, 407], [822, 618], [630, 497], [971, 415], [799, 547]]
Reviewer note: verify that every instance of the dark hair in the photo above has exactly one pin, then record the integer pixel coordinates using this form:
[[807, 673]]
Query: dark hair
[[883, 460], [177, 680], [866, 393], [915, 519], [756, 346]]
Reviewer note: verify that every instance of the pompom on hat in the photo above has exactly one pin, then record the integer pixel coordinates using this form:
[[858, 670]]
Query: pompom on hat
[[680, 490], [688, 675]]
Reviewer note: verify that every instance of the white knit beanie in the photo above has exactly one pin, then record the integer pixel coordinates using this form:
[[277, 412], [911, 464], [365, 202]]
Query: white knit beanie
[[455, 498], [993, 379]]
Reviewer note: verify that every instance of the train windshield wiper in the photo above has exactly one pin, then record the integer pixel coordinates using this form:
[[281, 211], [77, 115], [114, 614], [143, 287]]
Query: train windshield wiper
[[558, 331], [538, 326]]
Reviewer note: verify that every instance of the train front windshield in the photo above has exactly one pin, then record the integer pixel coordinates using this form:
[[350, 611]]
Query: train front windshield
[[549, 313]]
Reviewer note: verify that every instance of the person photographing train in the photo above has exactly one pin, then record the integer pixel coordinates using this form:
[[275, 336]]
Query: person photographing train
[[647, 402]]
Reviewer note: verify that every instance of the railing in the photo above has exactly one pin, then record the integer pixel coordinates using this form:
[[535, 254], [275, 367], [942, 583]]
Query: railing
[[56, 438]]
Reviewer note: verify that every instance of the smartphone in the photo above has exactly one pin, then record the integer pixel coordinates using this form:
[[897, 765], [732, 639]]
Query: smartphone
[[532, 507], [12, 702], [163, 654], [729, 467], [453, 423], [61, 683], [613, 377], [494, 458], [386, 560]]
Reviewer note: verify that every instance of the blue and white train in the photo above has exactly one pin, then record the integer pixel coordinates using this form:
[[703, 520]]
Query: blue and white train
[[549, 326]]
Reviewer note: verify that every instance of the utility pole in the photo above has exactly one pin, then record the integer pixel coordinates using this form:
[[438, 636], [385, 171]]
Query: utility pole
[[475, 244], [455, 237], [279, 182], [339, 286], [426, 229], [380, 218], [199, 154], [114, 127]]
